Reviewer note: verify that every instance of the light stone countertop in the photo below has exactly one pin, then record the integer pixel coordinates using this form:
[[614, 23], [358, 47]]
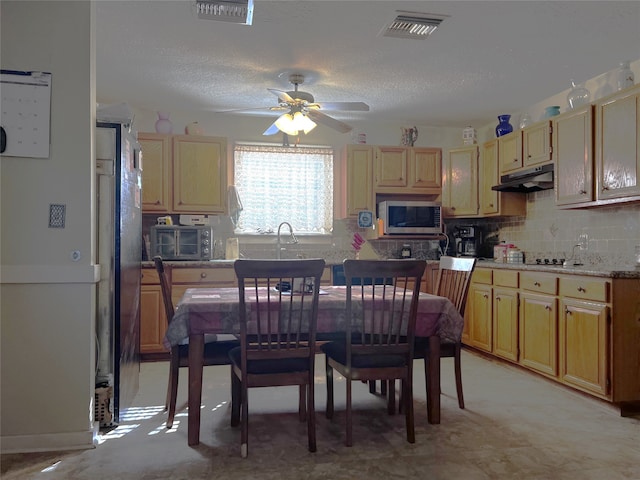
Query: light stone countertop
[[603, 270], [611, 271]]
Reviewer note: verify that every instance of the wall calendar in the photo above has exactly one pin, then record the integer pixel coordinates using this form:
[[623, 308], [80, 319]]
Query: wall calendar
[[25, 109]]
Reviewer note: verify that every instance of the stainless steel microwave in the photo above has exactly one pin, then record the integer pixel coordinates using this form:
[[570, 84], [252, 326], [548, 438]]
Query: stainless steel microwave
[[178, 242], [401, 217]]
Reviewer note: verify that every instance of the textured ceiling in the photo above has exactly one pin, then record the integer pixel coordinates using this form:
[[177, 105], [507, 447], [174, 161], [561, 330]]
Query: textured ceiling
[[486, 58]]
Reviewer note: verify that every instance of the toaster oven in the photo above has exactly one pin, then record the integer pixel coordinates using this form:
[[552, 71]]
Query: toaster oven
[[178, 242]]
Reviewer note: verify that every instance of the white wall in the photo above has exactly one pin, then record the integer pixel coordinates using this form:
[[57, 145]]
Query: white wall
[[48, 301]]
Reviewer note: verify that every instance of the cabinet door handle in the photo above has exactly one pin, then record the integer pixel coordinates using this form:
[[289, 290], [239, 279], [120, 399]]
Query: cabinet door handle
[[567, 311], [203, 275], [583, 192], [581, 289], [498, 298], [515, 160], [537, 284], [486, 296], [491, 204], [605, 187], [547, 307]]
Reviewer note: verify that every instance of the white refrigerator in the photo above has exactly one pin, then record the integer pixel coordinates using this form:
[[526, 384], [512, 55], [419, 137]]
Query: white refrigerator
[[119, 250]]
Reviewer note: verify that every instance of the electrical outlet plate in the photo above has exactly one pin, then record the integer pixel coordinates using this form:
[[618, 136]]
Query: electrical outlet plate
[[583, 241], [57, 215]]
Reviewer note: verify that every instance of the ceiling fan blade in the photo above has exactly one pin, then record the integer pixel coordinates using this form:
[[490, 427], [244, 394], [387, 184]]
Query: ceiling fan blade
[[319, 117], [255, 109], [346, 106], [272, 130], [284, 97]]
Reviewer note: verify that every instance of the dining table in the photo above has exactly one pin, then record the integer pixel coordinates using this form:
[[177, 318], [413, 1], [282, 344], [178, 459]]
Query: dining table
[[208, 311]]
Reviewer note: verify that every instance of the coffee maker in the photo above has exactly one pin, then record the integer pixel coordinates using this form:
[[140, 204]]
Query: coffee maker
[[467, 240]]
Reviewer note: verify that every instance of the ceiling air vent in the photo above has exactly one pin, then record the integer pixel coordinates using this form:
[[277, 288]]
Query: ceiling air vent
[[234, 11], [412, 25]]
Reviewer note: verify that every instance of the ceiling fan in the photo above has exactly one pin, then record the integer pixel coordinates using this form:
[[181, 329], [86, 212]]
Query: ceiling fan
[[303, 112]]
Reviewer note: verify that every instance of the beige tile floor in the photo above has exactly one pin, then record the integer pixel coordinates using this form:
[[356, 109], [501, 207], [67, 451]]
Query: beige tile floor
[[516, 426]]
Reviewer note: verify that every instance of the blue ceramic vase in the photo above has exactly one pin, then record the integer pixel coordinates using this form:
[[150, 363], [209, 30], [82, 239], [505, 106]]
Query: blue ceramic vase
[[504, 126]]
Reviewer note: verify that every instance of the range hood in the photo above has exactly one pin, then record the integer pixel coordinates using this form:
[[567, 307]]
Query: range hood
[[525, 181]]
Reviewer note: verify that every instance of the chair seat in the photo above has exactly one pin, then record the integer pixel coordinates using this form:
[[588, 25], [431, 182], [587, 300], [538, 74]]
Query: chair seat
[[215, 353], [208, 338], [421, 346], [338, 352], [275, 365]]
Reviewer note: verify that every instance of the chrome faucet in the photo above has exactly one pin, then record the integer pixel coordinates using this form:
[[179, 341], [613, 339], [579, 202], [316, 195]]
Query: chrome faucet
[[293, 239]]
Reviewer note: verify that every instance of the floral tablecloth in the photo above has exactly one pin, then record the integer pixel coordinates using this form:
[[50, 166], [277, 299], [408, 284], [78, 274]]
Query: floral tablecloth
[[215, 311]]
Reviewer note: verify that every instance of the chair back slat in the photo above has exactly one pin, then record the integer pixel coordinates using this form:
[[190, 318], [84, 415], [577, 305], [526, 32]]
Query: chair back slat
[[165, 288], [382, 301], [454, 278], [276, 322]]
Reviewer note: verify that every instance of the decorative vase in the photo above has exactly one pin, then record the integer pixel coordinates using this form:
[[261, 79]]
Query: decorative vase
[[469, 136], [525, 120], [578, 95], [409, 136], [552, 111], [625, 76], [503, 126], [193, 129], [163, 124]]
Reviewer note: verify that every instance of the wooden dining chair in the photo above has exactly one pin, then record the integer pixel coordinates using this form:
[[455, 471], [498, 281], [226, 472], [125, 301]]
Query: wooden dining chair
[[379, 339], [277, 335], [215, 352], [454, 278]]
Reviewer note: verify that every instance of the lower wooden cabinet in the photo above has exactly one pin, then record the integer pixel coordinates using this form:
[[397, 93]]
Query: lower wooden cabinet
[[582, 331], [478, 325], [584, 340], [539, 333], [153, 320], [505, 323]]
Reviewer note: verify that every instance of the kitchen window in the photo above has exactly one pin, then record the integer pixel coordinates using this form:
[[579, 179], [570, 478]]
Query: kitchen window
[[284, 184]]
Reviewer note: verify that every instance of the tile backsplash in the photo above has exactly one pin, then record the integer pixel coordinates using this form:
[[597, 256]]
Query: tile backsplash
[[611, 233], [546, 231]]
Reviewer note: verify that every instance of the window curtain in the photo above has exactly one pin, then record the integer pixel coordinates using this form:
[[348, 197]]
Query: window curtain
[[284, 184]]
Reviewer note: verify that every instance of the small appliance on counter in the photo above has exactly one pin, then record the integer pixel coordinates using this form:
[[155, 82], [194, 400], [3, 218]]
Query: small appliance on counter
[[467, 240], [180, 242]]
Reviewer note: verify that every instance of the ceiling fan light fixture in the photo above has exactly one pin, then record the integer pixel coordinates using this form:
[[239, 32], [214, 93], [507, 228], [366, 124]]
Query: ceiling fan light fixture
[[234, 11], [292, 124], [413, 25]]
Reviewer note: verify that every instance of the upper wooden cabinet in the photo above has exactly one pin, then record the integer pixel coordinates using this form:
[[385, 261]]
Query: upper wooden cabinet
[[618, 145], [460, 182], [407, 170], [467, 184], [525, 148], [199, 174], [156, 150], [510, 152], [493, 203], [183, 173], [359, 173], [573, 152], [536, 144], [389, 170], [425, 169]]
